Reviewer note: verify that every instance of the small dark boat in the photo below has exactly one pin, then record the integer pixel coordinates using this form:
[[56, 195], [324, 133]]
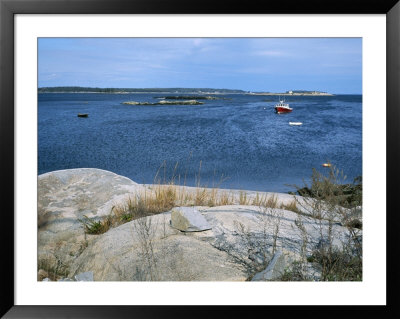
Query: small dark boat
[[83, 115]]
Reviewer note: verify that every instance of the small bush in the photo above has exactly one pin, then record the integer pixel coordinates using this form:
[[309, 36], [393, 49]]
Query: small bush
[[331, 187], [337, 265], [294, 273], [330, 199], [96, 227]]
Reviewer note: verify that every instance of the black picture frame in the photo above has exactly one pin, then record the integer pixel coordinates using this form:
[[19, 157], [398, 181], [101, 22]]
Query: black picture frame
[[8, 8]]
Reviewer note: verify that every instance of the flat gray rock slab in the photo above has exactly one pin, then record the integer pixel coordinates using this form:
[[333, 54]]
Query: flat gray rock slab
[[188, 219]]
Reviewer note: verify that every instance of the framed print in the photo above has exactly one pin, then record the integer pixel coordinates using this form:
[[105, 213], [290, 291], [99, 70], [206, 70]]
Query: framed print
[[167, 154]]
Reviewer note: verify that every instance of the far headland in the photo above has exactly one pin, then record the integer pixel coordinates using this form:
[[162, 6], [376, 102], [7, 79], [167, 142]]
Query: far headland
[[79, 89]]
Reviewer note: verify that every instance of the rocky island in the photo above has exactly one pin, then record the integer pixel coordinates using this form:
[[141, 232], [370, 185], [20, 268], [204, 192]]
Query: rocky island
[[164, 102]]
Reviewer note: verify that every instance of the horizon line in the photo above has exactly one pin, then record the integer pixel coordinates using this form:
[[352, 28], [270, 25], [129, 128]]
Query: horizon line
[[158, 88]]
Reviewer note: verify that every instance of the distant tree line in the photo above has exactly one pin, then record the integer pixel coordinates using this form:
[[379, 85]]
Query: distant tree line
[[70, 89]]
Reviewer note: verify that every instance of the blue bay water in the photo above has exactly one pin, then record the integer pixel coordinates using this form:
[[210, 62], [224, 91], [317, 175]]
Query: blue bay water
[[239, 142]]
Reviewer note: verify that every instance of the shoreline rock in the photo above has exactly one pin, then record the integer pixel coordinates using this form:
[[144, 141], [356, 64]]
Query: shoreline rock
[[163, 102], [65, 197], [235, 241]]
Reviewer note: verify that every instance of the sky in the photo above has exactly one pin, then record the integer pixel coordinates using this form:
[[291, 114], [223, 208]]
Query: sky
[[331, 65]]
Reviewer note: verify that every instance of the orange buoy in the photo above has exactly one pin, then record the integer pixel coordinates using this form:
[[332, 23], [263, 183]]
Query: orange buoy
[[327, 165]]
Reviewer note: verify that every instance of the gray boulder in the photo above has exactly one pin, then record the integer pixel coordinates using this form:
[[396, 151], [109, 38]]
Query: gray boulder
[[188, 219]]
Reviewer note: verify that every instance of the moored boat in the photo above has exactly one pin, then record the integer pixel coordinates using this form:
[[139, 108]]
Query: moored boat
[[295, 123], [282, 107], [83, 115]]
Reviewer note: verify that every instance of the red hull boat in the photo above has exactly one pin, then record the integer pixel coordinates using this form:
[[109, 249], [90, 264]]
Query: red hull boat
[[282, 107]]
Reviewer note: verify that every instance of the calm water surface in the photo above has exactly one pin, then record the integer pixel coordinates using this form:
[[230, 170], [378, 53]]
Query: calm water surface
[[239, 141]]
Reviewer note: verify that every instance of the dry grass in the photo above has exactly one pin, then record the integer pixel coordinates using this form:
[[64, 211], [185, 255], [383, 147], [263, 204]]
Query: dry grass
[[292, 206], [243, 200], [225, 198], [265, 201], [258, 200], [159, 199], [271, 202]]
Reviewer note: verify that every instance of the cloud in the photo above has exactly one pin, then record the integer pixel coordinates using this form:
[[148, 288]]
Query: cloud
[[198, 42], [49, 76]]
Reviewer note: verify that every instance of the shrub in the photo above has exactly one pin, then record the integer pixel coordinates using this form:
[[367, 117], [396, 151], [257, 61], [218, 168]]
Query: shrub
[[330, 199], [95, 227], [332, 187], [338, 264], [294, 273]]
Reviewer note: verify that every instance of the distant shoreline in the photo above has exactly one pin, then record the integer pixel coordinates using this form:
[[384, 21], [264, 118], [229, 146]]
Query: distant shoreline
[[166, 92], [193, 91], [294, 94], [203, 93]]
